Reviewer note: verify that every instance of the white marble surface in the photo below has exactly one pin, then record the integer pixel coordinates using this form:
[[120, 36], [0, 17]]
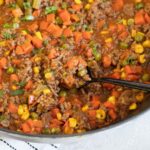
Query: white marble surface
[[133, 135]]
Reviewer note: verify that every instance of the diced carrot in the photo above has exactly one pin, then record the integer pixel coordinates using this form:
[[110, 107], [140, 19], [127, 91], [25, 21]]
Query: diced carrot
[[74, 17], [120, 28], [16, 61], [147, 18], [43, 25], [38, 43], [139, 18], [106, 61], [86, 35], [77, 7], [67, 129], [74, 61], [29, 85], [109, 105], [77, 36], [95, 102], [61, 100], [19, 50], [65, 16], [33, 27], [112, 114], [30, 123], [133, 69], [100, 24], [26, 128], [1, 73], [92, 114], [55, 122], [92, 123], [132, 77], [37, 123], [89, 52], [116, 75], [69, 81], [36, 13], [17, 12], [3, 63], [12, 108], [27, 47], [123, 35], [67, 32], [55, 30], [50, 18], [14, 78], [54, 112], [115, 93], [112, 28], [108, 86], [117, 5], [28, 37], [52, 54], [53, 42]]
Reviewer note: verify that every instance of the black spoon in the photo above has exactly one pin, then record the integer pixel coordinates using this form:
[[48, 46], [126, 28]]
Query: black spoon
[[129, 84]]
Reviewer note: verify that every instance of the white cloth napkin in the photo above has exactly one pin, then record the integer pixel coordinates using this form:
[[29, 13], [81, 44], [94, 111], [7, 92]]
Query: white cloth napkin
[[133, 135]]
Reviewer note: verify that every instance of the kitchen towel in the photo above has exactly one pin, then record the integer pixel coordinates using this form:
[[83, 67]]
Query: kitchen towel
[[133, 135]]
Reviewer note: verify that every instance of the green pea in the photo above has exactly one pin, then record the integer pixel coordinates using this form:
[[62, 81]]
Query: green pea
[[146, 77], [34, 115], [123, 45], [139, 37], [130, 22], [10, 70], [139, 6], [82, 72], [63, 93]]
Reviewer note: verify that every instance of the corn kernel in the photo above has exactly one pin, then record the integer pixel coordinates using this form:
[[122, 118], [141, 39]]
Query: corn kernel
[[123, 75], [138, 48], [90, 1], [85, 108], [87, 6], [140, 96], [46, 91], [133, 106], [72, 122], [24, 32], [38, 35], [1, 2], [78, 1], [37, 59], [48, 75], [133, 33], [2, 43], [108, 40], [146, 44], [104, 32], [112, 99], [20, 110], [100, 114], [7, 53], [14, 87], [138, 1], [25, 115], [59, 116], [36, 70], [142, 59], [124, 22]]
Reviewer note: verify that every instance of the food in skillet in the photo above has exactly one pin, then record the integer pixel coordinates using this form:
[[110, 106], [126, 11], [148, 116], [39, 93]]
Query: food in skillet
[[45, 48]]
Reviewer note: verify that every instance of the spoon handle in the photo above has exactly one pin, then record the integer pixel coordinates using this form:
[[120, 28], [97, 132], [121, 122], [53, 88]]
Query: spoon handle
[[129, 84]]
